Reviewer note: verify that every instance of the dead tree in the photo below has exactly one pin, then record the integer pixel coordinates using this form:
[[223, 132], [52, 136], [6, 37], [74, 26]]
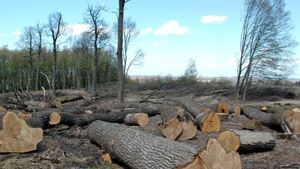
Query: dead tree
[[26, 41], [39, 29], [97, 29], [56, 27]]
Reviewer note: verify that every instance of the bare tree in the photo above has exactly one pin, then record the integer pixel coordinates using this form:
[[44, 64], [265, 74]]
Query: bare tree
[[39, 29], [120, 50], [137, 60], [27, 42], [265, 40], [130, 34], [94, 19], [56, 27]]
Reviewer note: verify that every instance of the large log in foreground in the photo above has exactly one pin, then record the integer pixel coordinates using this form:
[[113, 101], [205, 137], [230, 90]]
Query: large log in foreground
[[138, 149], [16, 136]]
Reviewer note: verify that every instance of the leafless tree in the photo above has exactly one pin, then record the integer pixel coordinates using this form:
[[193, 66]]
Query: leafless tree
[[130, 34], [40, 30], [120, 50], [56, 26], [265, 40], [26, 41], [97, 28]]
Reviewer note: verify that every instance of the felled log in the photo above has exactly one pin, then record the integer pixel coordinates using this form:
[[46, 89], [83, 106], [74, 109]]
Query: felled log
[[246, 141], [176, 123], [138, 149], [208, 122], [70, 98], [141, 119], [170, 127], [17, 136], [229, 141], [272, 120], [78, 116], [252, 141]]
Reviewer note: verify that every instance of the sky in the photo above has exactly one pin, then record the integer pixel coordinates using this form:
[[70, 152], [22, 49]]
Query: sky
[[171, 32]]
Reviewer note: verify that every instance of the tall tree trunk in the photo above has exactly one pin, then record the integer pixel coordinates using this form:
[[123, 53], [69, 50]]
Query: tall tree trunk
[[119, 52], [54, 70]]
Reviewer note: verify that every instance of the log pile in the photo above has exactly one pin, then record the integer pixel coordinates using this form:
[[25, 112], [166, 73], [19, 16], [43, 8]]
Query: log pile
[[121, 129]]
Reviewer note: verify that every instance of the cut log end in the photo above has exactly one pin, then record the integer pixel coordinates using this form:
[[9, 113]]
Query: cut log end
[[17, 136], [209, 122], [141, 119], [54, 118], [223, 107], [229, 141], [172, 129], [189, 130], [215, 157]]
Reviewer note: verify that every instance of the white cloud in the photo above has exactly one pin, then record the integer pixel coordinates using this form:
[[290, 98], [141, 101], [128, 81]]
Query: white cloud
[[213, 19], [77, 29], [146, 31], [16, 33], [2, 34], [171, 28]]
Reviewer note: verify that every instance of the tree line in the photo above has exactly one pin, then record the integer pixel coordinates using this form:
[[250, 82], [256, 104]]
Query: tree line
[[48, 57]]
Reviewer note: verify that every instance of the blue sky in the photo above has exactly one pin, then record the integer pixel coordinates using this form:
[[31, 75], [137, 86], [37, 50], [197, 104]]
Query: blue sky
[[171, 32]]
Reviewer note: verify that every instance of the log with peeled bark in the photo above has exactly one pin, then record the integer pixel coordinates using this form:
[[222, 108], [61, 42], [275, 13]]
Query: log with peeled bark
[[17, 136], [138, 149]]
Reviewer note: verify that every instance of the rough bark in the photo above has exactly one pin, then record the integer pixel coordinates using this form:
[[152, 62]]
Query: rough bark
[[251, 141], [139, 149], [272, 120], [16, 136]]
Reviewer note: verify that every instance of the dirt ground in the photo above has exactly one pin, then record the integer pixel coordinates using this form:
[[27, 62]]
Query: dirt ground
[[65, 147]]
